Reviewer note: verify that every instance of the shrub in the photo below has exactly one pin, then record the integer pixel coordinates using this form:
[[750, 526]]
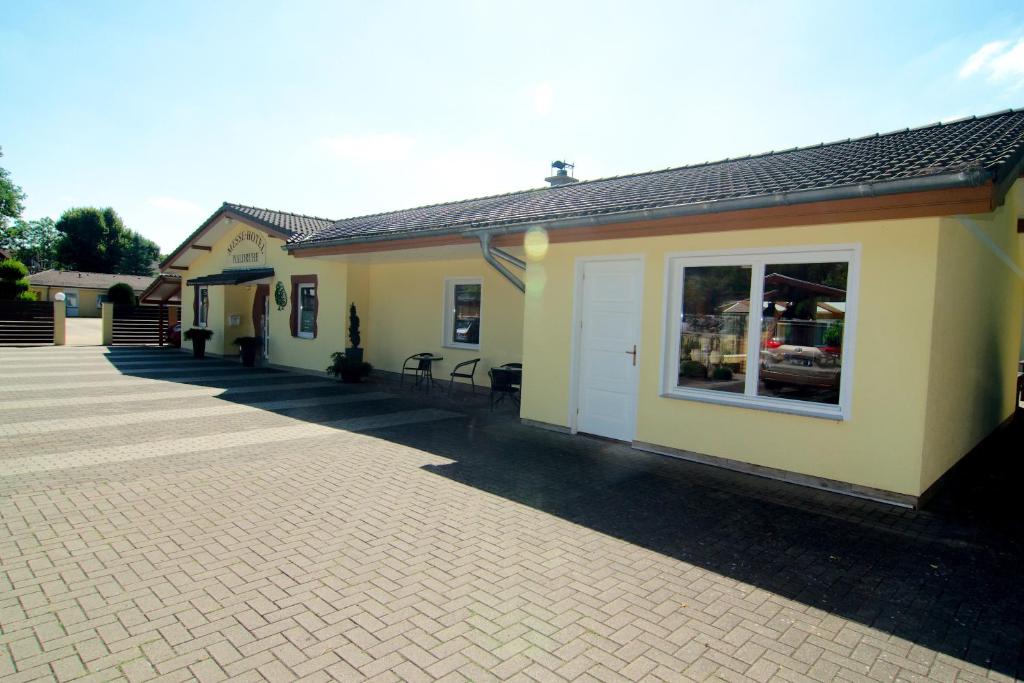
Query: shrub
[[721, 372], [11, 269], [348, 369], [692, 368], [833, 334], [13, 289], [13, 280], [121, 294], [353, 326], [194, 333]]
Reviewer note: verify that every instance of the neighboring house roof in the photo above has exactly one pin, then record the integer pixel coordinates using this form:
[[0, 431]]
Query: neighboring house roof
[[4, 254], [982, 149], [76, 279]]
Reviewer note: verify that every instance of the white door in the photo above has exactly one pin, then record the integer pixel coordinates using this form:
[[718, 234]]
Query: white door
[[608, 343]]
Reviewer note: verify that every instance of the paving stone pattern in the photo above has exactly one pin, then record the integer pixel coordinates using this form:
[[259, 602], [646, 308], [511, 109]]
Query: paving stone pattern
[[172, 519]]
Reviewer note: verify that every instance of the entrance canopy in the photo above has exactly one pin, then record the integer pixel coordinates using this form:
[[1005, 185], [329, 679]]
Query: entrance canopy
[[233, 277], [165, 289]]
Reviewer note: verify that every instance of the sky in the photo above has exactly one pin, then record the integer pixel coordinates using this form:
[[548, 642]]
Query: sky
[[164, 110]]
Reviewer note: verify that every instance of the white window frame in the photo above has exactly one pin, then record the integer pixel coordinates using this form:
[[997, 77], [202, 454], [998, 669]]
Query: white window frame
[[448, 313], [757, 259], [203, 320], [298, 322], [100, 298]]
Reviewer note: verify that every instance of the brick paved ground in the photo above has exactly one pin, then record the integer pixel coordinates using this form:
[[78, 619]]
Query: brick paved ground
[[259, 525]]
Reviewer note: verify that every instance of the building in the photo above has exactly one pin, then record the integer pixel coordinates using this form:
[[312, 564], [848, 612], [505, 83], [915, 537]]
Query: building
[[887, 272], [84, 292]]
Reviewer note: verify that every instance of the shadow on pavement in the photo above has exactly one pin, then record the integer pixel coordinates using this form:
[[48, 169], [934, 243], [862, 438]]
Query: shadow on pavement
[[947, 577]]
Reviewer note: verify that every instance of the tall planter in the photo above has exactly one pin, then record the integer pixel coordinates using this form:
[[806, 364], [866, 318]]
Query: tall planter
[[249, 347], [198, 336]]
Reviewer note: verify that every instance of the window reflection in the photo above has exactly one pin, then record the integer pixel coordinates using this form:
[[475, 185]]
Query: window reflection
[[466, 327], [713, 331], [802, 320]]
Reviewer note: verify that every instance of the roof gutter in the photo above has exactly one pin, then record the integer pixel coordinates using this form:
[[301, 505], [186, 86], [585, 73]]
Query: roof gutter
[[489, 253], [974, 177]]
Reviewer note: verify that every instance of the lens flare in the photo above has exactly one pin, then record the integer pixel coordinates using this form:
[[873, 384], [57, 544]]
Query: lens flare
[[536, 280], [535, 243]]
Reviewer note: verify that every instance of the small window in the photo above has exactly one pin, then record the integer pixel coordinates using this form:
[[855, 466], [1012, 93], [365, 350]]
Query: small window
[[764, 330], [204, 306], [100, 300], [462, 312], [307, 311]]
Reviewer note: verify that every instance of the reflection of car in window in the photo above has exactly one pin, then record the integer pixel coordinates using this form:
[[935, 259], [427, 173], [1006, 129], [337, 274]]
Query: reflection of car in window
[[467, 331], [799, 353]]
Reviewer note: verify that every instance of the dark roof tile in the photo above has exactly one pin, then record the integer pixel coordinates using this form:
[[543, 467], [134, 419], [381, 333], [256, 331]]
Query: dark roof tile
[[977, 143], [294, 224]]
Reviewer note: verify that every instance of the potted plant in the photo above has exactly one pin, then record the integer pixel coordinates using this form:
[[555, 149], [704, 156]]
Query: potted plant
[[198, 336], [350, 371], [353, 352], [249, 347]]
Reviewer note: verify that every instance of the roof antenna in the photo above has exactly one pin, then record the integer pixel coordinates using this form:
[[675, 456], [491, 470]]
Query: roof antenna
[[562, 174]]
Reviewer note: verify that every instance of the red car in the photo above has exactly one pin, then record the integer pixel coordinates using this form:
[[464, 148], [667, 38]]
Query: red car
[[174, 334]]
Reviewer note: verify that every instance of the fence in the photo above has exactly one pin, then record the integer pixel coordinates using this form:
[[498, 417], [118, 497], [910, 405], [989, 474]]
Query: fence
[[139, 325], [26, 323]]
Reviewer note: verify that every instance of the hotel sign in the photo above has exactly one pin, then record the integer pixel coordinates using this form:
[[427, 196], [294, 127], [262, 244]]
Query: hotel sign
[[248, 248]]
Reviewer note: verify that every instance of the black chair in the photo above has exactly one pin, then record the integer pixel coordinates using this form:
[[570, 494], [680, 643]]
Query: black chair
[[504, 382], [419, 365], [518, 367], [465, 375]]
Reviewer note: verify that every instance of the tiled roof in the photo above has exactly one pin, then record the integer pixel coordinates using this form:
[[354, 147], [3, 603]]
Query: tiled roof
[[292, 223], [991, 143], [74, 278]]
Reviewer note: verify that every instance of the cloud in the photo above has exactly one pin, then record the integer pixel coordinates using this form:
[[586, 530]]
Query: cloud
[[374, 147], [176, 205], [982, 57], [1001, 61], [543, 98]]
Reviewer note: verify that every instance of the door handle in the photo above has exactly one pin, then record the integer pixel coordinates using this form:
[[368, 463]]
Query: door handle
[[633, 353]]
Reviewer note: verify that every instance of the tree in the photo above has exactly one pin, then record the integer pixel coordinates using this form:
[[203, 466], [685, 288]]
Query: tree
[[138, 255], [97, 240], [91, 239], [11, 198], [121, 293], [33, 242], [13, 281]]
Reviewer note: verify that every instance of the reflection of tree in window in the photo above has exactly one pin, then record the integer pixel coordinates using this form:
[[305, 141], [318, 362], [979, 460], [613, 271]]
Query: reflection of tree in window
[[466, 329], [713, 339]]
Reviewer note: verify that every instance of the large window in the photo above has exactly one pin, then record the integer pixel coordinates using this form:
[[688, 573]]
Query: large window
[[203, 309], [766, 329], [462, 298], [307, 311]]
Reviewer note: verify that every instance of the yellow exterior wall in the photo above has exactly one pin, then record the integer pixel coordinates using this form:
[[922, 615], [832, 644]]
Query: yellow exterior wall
[[880, 446], [400, 304], [86, 298], [975, 340], [310, 354], [406, 302]]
